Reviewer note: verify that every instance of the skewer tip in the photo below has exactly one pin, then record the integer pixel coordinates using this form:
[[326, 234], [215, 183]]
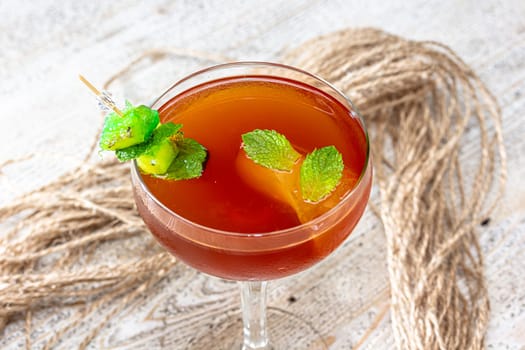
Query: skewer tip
[[101, 97]]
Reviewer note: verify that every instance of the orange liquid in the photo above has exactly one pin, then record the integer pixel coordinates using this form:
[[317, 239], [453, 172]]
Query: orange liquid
[[217, 114]]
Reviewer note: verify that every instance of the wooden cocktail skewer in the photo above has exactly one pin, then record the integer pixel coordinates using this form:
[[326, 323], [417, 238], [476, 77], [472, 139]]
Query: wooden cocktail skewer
[[103, 98]]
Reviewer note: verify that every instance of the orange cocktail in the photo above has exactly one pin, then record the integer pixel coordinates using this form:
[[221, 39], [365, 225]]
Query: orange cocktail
[[240, 220], [217, 113]]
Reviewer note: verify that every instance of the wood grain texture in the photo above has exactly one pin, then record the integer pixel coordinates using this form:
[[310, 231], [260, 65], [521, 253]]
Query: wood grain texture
[[49, 121]]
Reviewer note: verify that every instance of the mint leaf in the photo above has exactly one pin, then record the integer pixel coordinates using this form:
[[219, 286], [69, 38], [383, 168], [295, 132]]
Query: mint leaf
[[131, 152], [189, 163], [162, 132], [270, 149], [321, 172]]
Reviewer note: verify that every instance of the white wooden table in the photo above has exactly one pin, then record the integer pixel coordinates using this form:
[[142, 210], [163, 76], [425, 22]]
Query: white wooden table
[[46, 113]]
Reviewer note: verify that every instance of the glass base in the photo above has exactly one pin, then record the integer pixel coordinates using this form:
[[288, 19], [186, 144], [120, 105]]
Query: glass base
[[286, 331]]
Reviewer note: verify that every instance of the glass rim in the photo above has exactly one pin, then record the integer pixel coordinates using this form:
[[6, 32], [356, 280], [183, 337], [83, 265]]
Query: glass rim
[[317, 220]]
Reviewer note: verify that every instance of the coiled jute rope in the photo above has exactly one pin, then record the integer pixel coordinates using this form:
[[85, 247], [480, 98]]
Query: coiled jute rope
[[421, 103], [439, 161]]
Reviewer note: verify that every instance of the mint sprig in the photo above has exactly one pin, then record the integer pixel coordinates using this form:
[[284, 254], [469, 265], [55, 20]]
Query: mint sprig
[[159, 149], [321, 172], [270, 149], [189, 163]]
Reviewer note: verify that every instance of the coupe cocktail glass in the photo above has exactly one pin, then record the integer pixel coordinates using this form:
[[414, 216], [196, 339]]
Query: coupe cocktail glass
[[201, 229]]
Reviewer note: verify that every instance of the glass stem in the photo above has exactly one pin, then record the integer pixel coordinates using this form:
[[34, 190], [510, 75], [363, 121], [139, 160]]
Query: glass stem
[[253, 304]]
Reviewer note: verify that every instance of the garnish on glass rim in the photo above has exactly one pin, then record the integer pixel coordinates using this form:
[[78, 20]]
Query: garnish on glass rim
[[159, 149]]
